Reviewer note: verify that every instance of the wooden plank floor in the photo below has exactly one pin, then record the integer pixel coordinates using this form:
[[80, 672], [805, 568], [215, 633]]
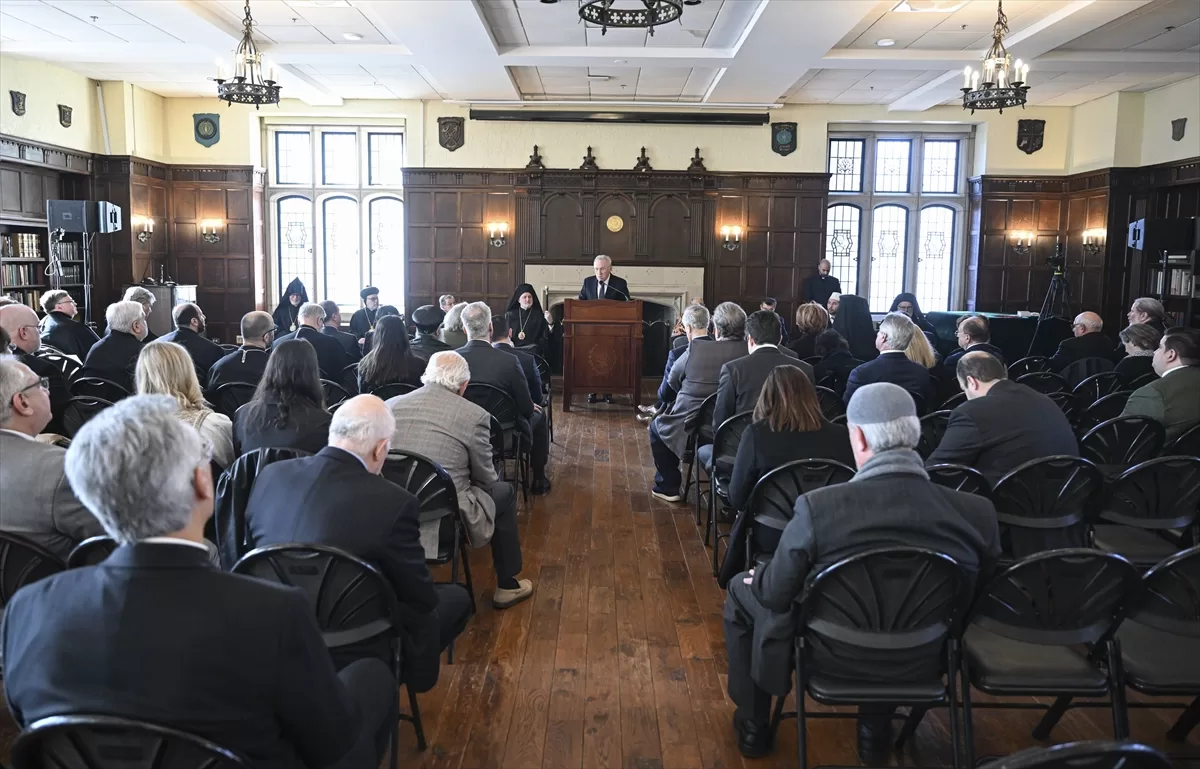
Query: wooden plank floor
[[618, 659]]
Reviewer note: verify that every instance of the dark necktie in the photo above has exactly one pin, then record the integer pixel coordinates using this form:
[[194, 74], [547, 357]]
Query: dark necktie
[[601, 291]]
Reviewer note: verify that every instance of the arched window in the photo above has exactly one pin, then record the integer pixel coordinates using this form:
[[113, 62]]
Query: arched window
[[935, 250], [339, 222], [385, 227], [889, 252], [294, 241], [843, 243]]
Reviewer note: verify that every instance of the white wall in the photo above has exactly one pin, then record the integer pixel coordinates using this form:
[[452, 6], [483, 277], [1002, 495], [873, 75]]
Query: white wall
[[1163, 105], [45, 87]]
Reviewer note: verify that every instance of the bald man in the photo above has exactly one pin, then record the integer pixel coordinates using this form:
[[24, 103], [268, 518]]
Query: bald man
[[21, 324], [1088, 342], [247, 363], [821, 286]]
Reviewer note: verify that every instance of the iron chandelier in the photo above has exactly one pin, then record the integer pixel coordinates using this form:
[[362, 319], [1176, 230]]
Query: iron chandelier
[[1002, 83], [248, 85], [653, 13]]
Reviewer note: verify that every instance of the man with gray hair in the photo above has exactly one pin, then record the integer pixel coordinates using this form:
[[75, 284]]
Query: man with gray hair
[[895, 332], [232, 659], [890, 503], [499, 369], [445, 302], [440, 425], [146, 299], [695, 321], [115, 356], [21, 325], [38, 503], [331, 357], [602, 285], [340, 498], [694, 376], [247, 363], [1088, 342], [59, 328], [1148, 310]]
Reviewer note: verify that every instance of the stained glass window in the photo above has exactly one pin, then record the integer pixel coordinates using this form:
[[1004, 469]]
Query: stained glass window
[[843, 244], [940, 173], [339, 158], [293, 216], [387, 246], [293, 157], [935, 248], [891, 165], [845, 165], [889, 247], [339, 221]]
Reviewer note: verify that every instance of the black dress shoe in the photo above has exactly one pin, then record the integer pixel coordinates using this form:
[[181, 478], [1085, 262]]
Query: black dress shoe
[[874, 742], [541, 486], [591, 397], [753, 739], [608, 399]]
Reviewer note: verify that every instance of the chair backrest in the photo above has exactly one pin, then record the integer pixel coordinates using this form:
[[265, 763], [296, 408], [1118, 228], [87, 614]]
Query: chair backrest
[[1123, 441], [960, 478], [1171, 600], [229, 347], [773, 498], [831, 404], [348, 378], [497, 440], [494, 401], [79, 410], [1186, 445], [231, 396], [23, 562], [1093, 388], [1047, 493], [352, 600], [813, 360], [1085, 755], [1162, 493], [933, 427], [1142, 381], [91, 551], [1043, 381], [96, 387], [67, 366], [389, 391], [699, 423], [232, 495], [1058, 597], [108, 742], [896, 600], [543, 368], [1030, 365], [1106, 407], [1084, 368], [953, 402], [1067, 403], [726, 440], [334, 392], [431, 485]]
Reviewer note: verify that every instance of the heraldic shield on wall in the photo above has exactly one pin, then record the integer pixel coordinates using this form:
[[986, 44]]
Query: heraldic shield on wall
[[1030, 135], [451, 132], [18, 102], [1177, 128]]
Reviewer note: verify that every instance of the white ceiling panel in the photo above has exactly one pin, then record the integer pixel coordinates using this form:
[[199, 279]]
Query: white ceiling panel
[[60, 23], [292, 33], [1144, 26]]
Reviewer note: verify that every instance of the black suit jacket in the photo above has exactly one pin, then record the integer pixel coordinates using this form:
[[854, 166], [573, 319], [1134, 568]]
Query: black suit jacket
[[306, 428], [67, 335], [819, 288], [529, 369], [425, 345], [499, 369], [618, 289], [349, 342], [204, 352], [742, 380], [837, 364], [761, 450], [114, 358], [156, 633], [951, 363], [245, 364], [894, 367], [1093, 345], [1131, 367], [59, 393], [330, 355], [331, 499]]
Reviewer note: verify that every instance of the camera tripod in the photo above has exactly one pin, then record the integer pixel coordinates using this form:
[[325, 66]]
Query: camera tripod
[[1057, 304]]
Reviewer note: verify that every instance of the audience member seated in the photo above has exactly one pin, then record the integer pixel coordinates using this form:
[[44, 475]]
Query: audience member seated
[[287, 314], [332, 328], [889, 503], [1140, 341], [1173, 400], [907, 303], [146, 299], [331, 358], [165, 368], [384, 312], [853, 321], [835, 301], [390, 360], [338, 498], [694, 377], [38, 502], [770, 304], [920, 351], [440, 425], [812, 320], [741, 379], [527, 319], [115, 355], [231, 659], [1149, 311], [695, 323], [787, 425], [247, 363], [428, 319], [1088, 342], [892, 365], [363, 319], [973, 335], [502, 340], [499, 369], [59, 328], [288, 408], [453, 333], [20, 323], [836, 361], [189, 333], [445, 302]]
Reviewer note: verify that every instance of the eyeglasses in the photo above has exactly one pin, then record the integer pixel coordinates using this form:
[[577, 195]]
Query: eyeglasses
[[42, 382]]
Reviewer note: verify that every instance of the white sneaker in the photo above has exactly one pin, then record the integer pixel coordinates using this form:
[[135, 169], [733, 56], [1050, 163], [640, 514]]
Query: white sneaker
[[504, 598], [666, 497], [648, 410]]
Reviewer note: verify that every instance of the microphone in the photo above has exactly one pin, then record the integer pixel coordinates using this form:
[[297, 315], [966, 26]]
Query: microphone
[[611, 287]]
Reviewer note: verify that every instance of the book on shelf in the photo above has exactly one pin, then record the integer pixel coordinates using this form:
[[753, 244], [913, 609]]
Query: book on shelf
[[67, 250], [32, 297], [21, 245], [22, 274]]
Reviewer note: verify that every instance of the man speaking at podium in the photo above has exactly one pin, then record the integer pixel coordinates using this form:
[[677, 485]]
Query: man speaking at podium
[[604, 285]]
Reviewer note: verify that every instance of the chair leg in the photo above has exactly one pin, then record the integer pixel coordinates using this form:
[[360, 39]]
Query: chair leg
[[416, 719], [801, 722], [951, 670], [1052, 717], [964, 679], [915, 715], [466, 562], [777, 713], [1186, 722], [1116, 677]]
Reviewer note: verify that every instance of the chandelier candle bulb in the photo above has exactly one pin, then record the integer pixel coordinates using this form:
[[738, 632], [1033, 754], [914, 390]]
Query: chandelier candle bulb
[[975, 80], [966, 77]]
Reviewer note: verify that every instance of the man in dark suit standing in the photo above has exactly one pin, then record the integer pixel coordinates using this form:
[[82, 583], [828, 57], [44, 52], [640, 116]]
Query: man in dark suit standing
[[973, 336], [115, 356], [189, 332], [741, 380], [499, 369], [604, 285], [247, 363], [330, 355], [332, 328], [229, 658], [502, 340], [818, 288], [59, 328], [890, 502], [338, 498], [895, 332], [21, 323], [1088, 342], [428, 319]]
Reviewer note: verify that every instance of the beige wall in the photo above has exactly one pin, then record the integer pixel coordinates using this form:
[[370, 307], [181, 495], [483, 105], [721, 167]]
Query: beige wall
[[240, 135], [148, 112], [1161, 107], [45, 87]]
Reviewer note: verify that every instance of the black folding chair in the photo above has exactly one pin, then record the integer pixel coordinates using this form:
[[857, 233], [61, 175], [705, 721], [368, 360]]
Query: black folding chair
[[1031, 365], [1085, 755], [698, 425], [231, 396], [1116, 444], [228, 348], [67, 366], [517, 447], [348, 378], [720, 470], [831, 403], [79, 410], [91, 551], [900, 607], [544, 373], [231, 534], [1149, 511], [23, 562], [953, 402], [95, 387], [1067, 403], [435, 492], [933, 427], [1046, 500], [1026, 628], [1160, 635], [1142, 381], [960, 478], [389, 391], [1186, 445], [353, 603], [108, 742], [1043, 381], [334, 393], [1106, 407], [1096, 386], [1084, 368]]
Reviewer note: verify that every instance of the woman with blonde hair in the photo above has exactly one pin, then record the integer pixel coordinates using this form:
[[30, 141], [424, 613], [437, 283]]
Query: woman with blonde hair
[[920, 351], [165, 368], [811, 320]]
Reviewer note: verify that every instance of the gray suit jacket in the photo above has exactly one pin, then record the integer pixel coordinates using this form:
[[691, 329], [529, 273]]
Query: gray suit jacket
[[1173, 401], [742, 380], [439, 425], [695, 377], [38, 502]]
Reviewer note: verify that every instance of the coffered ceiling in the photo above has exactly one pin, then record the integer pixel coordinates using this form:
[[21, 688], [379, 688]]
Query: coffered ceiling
[[905, 54]]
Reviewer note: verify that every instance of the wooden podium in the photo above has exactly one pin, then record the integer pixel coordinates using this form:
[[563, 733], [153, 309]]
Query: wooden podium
[[602, 348]]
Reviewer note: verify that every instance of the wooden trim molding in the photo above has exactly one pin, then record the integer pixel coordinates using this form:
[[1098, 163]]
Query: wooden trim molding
[[574, 179], [31, 153]]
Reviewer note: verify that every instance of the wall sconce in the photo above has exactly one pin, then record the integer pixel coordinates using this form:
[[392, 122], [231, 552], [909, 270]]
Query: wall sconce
[[208, 230], [732, 236], [147, 225], [1024, 242], [1093, 241], [498, 233]]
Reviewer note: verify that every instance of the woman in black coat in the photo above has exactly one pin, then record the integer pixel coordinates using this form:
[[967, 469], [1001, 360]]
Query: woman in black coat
[[287, 314], [811, 321], [288, 408], [390, 360], [836, 361], [1140, 340], [854, 322], [527, 320]]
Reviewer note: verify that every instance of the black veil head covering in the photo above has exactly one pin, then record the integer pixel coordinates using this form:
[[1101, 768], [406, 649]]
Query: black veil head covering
[[284, 314], [854, 322], [295, 287], [515, 302], [917, 315]]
